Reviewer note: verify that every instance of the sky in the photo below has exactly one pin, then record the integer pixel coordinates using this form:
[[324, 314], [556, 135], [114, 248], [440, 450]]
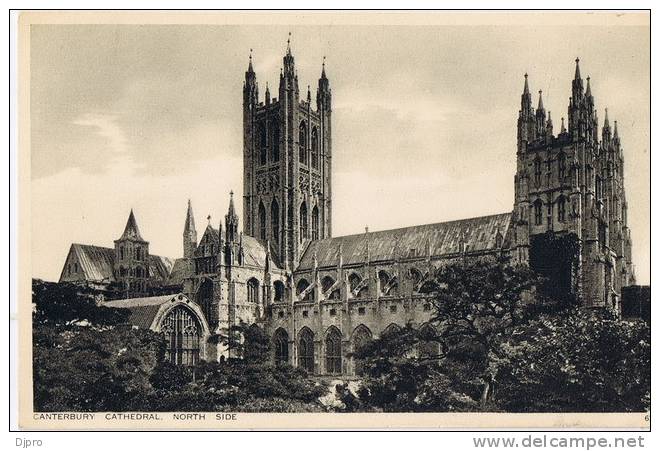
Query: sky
[[424, 121]]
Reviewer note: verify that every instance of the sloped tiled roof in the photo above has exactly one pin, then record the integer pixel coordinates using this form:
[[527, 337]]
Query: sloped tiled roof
[[477, 234], [179, 272], [160, 267], [142, 310], [96, 262], [254, 251]]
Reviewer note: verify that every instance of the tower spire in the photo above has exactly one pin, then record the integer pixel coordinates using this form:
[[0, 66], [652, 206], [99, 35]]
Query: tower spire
[[577, 69], [131, 231], [231, 220], [250, 69], [540, 107]]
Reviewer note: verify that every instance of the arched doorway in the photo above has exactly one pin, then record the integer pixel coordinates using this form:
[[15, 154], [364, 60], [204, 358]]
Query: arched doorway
[[281, 346], [306, 350], [182, 333], [333, 357]]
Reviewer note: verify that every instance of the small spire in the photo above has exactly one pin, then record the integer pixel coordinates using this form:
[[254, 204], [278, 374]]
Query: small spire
[[563, 128], [190, 219], [607, 120], [250, 63], [208, 218], [526, 88], [588, 90], [309, 95], [323, 68], [577, 69], [616, 130], [549, 119], [540, 107], [288, 44]]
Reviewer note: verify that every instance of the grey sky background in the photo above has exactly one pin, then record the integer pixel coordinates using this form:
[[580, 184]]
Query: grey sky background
[[424, 121]]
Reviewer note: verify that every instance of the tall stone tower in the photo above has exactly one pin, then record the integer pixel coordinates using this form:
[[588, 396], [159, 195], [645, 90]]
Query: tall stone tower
[[572, 184], [132, 259], [287, 150]]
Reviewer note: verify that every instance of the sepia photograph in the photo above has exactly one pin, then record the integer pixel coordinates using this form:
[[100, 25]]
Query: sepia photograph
[[352, 220]]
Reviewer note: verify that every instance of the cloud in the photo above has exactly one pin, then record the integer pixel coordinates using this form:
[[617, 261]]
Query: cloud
[[105, 126]]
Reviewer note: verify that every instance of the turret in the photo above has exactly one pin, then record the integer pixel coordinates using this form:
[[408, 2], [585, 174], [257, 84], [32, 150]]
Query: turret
[[250, 88], [540, 117], [575, 125], [231, 221], [526, 120], [323, 94]]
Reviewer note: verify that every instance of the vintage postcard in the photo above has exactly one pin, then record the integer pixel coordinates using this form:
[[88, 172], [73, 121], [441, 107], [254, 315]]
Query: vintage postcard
[[346, 220]]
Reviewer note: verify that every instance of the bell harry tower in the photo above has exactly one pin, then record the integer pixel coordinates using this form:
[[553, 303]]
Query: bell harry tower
[[287, 166]]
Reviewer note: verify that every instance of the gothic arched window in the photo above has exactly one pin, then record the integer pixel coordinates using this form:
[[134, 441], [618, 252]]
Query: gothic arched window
[[306, 350], [253, 291], [279, 291], [263, 150], [182, 334], [301, 287], [262, 221], [281, 346], [275, 220], [302, 143], [415, 278], [383, 282], [205, 298], [275, 143], [358, 289], [315, 223], [561, 209], [391, 329], [315, 148], [538, 212], [361, 336], [303, 221], [121, 252], [333, 351]]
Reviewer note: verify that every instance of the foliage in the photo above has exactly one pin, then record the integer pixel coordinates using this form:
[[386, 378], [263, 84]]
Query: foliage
[[500, 348], [86, 358], [67, 304], [582, 360]]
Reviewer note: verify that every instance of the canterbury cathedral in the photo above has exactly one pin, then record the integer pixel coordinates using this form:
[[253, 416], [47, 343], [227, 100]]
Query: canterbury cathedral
[[318, 296]]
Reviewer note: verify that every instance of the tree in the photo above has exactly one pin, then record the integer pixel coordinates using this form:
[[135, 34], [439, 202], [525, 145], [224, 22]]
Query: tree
[[476, 304], [581, 360]]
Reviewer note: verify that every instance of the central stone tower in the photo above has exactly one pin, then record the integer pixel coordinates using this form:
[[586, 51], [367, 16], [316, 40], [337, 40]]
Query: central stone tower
[[287, 165]]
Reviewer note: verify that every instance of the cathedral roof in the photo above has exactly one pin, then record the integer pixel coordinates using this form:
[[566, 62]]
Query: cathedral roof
[[180, 270], [97, 263], [142, 310], [254, 251], [440, 239]]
